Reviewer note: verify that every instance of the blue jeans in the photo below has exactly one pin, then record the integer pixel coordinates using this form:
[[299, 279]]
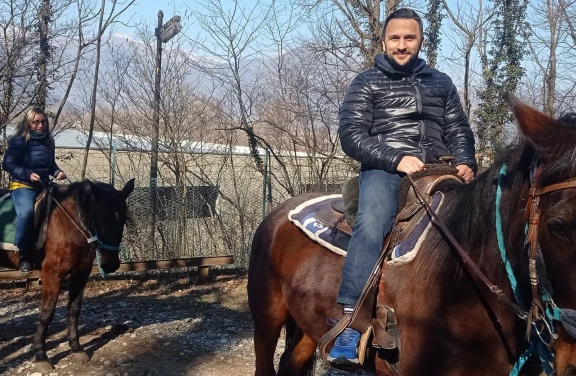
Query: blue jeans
[[23, 199], [377, 207]]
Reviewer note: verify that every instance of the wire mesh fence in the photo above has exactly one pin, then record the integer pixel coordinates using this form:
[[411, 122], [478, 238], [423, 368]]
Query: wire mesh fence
[[206, 205]]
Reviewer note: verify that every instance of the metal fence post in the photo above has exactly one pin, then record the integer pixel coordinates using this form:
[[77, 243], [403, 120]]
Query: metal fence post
[[265, 184], [113, 167]]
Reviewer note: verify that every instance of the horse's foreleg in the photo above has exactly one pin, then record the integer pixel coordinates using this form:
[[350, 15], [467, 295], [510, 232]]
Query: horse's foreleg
[[77, 284], [50, 292], [265, 341]]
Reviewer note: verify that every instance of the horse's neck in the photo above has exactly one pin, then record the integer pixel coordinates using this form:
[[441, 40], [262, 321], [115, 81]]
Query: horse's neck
[[470, 215], [473, 217]]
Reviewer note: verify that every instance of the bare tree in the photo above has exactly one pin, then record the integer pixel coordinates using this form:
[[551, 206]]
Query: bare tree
[[469, 23], [299, 122], [568, 12], [17, 57], [344, 25], [102, 27], [547, 33], [232, 37]]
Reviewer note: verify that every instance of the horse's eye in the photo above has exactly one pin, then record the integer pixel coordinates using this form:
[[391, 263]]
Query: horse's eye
[[557, 227]]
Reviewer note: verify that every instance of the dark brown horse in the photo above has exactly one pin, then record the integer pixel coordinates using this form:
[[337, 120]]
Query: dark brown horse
[[98, 208], [448, 324]]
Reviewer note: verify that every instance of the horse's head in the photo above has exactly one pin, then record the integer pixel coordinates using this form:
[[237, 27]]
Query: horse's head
[[107, 209], [555, 146]]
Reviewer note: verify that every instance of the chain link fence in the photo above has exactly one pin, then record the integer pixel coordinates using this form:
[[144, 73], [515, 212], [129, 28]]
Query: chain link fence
[[206, 204]]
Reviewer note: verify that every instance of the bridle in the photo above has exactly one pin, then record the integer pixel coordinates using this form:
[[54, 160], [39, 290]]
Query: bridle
[[542, 304], [542, 311]]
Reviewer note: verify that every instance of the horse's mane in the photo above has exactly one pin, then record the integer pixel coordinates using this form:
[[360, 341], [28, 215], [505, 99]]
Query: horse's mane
[[469, 210], [80, 192]]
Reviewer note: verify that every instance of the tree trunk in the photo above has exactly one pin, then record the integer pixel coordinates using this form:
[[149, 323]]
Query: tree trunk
[[434, 18], [94, 91], [44, 17]]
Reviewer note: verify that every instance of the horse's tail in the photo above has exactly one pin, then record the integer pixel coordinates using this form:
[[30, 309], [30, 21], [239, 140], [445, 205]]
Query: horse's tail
[[290, 331], [293, 335]]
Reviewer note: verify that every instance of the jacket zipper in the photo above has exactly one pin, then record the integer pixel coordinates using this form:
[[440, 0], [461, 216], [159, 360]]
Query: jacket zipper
[[418, 97], [419, 109], [421, 139]]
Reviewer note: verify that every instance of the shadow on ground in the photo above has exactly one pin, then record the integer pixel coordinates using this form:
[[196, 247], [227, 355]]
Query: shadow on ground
[[151, 324]]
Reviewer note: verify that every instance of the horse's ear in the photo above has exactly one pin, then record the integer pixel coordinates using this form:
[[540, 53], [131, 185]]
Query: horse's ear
[[99, 193], [128, 188], [549, 136]]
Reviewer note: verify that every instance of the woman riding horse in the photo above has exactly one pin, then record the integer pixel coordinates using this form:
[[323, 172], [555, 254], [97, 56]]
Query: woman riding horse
[[29, 159]]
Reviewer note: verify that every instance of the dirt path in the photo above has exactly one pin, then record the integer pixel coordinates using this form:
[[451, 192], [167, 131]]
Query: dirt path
[[159, 325]]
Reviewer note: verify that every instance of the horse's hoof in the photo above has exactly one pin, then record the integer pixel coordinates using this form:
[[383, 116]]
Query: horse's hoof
[[80, 357], [43, 366]]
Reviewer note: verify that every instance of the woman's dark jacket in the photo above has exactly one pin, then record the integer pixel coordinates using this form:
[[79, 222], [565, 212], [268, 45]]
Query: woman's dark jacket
[[23, 158], [388, 114]]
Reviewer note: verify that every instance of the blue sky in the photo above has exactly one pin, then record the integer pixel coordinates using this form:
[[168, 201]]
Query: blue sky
[[147, 11]]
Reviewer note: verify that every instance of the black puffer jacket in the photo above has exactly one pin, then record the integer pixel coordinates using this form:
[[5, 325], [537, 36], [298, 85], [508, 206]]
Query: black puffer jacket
[[23, 157], [388, 114]]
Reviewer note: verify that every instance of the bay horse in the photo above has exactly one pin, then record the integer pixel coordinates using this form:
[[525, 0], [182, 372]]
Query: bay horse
[[99, 210], [448, 324]]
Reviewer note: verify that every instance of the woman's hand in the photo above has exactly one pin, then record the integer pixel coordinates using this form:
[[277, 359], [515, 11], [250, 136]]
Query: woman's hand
[[34, 177], [61, 175]]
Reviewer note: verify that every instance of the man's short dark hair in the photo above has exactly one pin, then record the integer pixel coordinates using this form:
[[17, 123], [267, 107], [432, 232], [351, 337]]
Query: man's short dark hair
[[568, 119], [406, 14]]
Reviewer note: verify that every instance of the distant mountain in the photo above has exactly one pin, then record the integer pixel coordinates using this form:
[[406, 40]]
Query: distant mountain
[[80, 93]]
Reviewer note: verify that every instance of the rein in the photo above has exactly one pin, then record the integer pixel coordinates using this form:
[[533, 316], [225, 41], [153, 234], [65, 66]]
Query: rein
[[468, 262], [90, 239], [542, 310]]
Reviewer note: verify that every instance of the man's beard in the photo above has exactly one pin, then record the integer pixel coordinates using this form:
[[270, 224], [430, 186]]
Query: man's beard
[[408, 67]]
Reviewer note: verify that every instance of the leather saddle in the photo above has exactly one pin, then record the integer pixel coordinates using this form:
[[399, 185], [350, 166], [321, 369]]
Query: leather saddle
[[410, 210]]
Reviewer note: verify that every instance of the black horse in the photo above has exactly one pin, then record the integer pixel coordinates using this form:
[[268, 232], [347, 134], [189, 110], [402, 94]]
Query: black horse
[[86, 210]]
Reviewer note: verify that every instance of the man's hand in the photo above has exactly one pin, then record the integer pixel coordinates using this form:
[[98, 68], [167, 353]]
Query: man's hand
[[466, 172], [34, 177], [61, 175], [409, 164]]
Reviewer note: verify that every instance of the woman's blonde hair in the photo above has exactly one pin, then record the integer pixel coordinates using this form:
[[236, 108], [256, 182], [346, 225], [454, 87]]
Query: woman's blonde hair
[[23, 128]]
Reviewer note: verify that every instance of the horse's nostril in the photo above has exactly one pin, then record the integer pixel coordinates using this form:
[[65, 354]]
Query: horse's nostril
[[570, 370]]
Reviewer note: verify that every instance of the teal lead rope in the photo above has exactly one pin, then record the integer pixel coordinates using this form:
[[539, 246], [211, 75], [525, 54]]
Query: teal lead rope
[[500, 238], [537, 346]]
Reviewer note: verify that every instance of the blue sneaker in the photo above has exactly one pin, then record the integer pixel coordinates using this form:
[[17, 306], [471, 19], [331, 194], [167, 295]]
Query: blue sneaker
[[344, 354]]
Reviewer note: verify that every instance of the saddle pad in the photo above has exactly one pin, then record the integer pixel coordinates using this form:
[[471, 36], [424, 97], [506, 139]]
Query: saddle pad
[[7, 224], [407, 250], [303, 217]]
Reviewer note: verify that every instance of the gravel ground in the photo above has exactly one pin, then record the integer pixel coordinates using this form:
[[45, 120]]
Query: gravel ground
[[154, 324]]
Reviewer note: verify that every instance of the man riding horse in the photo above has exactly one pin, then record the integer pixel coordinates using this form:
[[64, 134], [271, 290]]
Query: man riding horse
[[395, 117]]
